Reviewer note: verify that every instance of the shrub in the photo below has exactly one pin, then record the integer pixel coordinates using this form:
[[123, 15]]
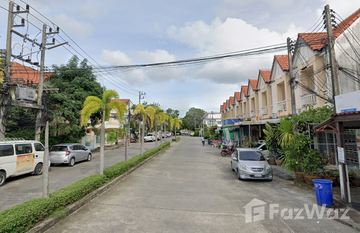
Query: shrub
[[176, 139], [25, 215]]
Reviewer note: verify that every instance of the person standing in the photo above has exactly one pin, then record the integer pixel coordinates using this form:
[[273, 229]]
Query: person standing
[[203, 141]]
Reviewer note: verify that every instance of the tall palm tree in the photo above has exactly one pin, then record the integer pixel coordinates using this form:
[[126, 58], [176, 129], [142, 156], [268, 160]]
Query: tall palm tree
[[164, 122], [158, 115], [147, 115], [92, 104], [175, 122]]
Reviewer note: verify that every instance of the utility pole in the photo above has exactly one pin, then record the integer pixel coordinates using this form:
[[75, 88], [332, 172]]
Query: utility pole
[[142, 125], [6, 88], [41, 84], [291, 77], [45, 174], [126, 135], [344, 184], [333, 70]]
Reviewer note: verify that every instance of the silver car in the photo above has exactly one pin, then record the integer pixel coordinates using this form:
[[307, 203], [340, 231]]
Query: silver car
[[69, 153], [250, 163]]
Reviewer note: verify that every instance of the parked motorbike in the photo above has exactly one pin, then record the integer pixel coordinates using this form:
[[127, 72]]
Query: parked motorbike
[[133, 140], [227, 150]]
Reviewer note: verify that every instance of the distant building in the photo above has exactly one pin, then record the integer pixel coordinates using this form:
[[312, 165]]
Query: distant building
[[212, 119]]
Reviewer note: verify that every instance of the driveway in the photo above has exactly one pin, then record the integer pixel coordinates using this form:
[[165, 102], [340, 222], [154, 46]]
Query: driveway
[[191, 188]]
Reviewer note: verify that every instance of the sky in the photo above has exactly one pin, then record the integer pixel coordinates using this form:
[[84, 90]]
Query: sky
[[132, 32]]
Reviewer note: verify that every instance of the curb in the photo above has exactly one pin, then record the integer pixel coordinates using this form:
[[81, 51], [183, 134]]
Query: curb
[[49, 222]]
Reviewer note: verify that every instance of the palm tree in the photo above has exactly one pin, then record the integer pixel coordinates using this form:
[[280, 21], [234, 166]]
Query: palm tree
[[286, 134], [164, 122], [147, 115], [158, 115], [175, 122], [170, 119], [92, 104]]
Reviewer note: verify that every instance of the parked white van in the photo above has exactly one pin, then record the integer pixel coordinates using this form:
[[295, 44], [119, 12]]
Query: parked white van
[[19, 157]]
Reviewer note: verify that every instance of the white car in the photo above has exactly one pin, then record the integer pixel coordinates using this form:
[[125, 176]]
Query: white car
[[149, 137], [264, 150]]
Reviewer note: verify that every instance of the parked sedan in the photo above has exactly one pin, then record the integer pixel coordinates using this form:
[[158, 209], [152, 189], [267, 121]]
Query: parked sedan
[[149, 137], [69, 153], [250, 163]]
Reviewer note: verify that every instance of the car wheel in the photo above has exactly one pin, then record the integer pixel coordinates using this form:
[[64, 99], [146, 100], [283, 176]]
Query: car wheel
[[232, 169], [89, 157], [2, 178], [238, 175], [38, 169], [72, 162]]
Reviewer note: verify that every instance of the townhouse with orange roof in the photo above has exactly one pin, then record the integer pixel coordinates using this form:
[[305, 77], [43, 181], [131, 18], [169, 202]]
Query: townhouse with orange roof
[[268, 99]]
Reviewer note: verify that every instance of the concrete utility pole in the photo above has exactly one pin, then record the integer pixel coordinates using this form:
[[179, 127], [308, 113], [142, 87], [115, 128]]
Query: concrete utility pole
[[142, 125], [344, 184], [334, 74], [291, 78], [45, 174], [126, 135], [6, 88], [41, 85]]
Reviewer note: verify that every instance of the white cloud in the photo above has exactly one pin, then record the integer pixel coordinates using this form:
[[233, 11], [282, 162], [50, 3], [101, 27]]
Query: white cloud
[[344, 8], [115, 58], [91, 11], [229, 36], [74, 27], [153, 57]]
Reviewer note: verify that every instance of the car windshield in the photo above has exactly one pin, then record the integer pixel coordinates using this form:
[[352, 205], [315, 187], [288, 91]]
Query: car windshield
[[251, 156], [59, 148]]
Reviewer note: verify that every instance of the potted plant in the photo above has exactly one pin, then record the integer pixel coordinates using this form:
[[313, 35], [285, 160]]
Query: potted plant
[[354, 175], [330, 175], [313, 166]]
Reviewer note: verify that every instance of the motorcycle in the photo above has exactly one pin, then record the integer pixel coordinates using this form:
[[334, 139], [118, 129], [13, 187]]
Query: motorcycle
[[227, 150], [133, 140]]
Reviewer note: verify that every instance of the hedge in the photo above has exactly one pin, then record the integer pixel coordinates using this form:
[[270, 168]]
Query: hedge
[[176, 139], [24, 216]]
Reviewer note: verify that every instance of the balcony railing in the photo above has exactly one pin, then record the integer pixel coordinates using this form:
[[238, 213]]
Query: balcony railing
[[254, 113], [265, 111], [281, 106], [308, 99]]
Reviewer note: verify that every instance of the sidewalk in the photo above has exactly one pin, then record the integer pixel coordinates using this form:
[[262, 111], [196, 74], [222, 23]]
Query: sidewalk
[[354, 207]]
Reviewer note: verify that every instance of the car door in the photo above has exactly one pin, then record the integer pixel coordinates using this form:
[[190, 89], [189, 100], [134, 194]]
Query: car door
[[84, 152], [264, 151], [74, 152], [25, 158]]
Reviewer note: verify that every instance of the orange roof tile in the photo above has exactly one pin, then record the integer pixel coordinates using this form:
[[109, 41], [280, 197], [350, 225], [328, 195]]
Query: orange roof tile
[[283, 61], [227, 103], [221, 108], [237, 96], [253, 83], [245, 90], [20, 74], [266, 75], [125, 101], [346, 23], [316, 41], [232, 100], [224, 104]]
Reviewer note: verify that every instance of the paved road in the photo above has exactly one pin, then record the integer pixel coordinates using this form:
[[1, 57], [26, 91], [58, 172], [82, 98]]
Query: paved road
[[191, 188], [23, 188]]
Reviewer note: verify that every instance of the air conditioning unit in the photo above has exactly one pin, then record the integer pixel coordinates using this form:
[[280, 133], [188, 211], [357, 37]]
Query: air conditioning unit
[[25, 94]]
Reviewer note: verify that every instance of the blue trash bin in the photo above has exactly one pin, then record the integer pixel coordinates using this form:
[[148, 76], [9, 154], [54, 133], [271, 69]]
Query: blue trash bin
[[323, 192]]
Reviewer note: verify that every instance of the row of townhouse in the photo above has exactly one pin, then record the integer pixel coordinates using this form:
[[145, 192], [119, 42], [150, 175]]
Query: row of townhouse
[[267, 98]]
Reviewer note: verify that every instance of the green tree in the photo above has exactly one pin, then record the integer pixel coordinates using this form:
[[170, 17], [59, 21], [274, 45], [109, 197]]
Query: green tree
[[175, 122], [158, 117], [75, 82], [192, 116], [147, 115], [93, 104], [113, 135]]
